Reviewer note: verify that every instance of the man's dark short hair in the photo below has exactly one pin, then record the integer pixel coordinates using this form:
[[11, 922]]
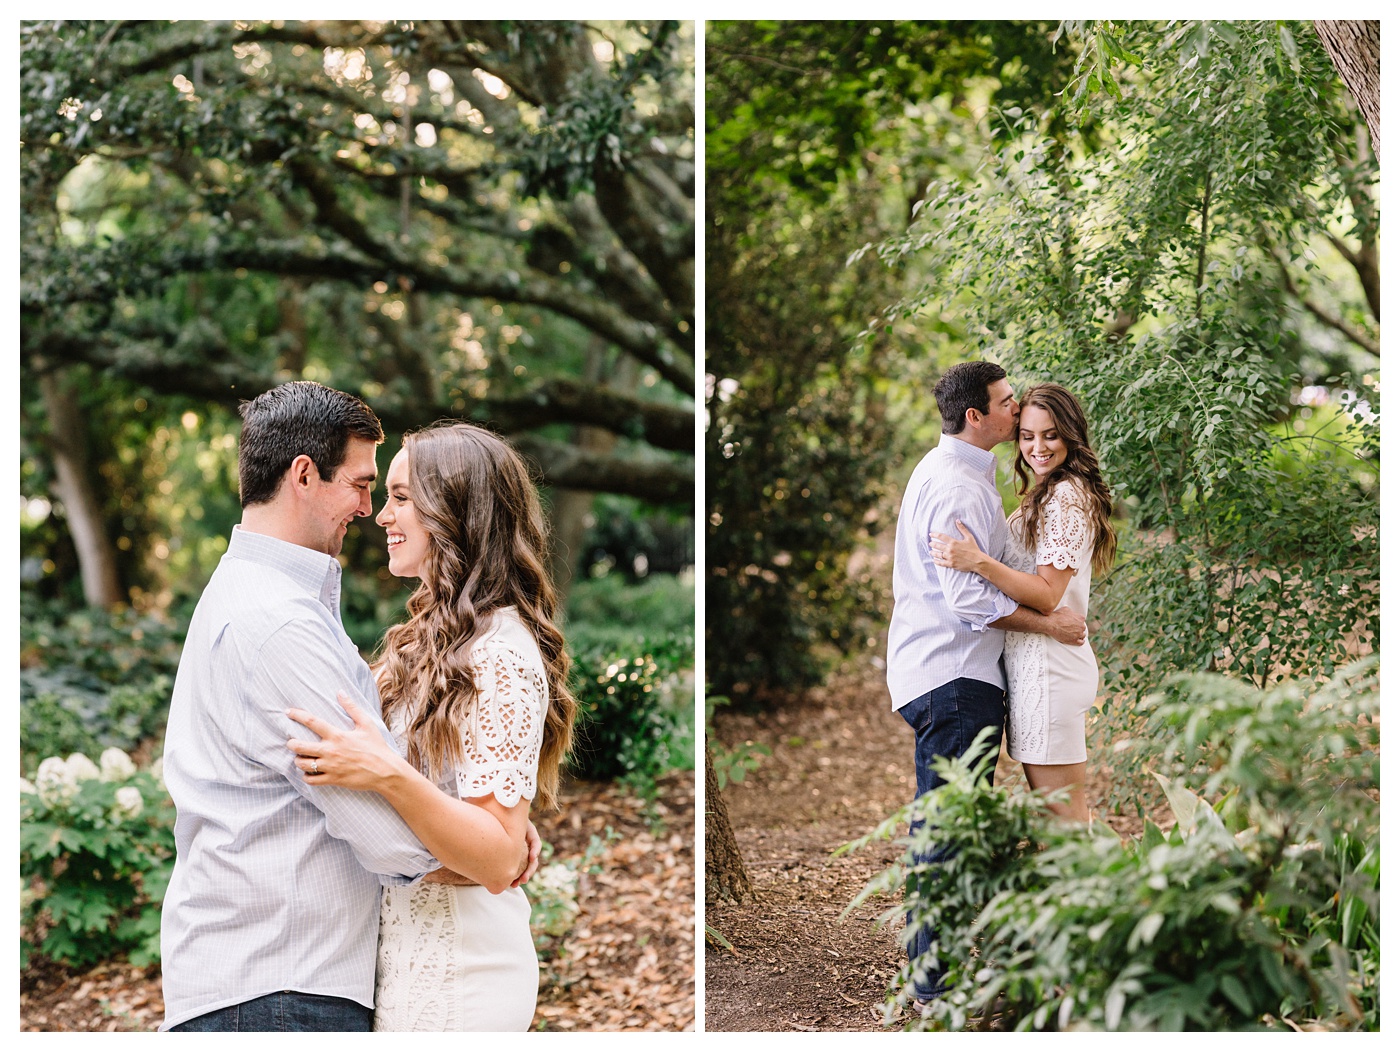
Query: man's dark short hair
[[964, 387], [295, 418]]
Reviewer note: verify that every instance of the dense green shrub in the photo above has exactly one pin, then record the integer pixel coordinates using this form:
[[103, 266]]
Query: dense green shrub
[[636, 540], [1260, 908], [97, 845], [636, 719], [90, 680], [612, 610]]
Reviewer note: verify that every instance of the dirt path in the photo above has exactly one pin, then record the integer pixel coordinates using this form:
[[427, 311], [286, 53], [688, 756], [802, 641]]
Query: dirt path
[[842, 762]]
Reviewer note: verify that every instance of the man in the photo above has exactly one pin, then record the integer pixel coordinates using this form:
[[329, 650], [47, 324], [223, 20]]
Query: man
[[945, 672], [272, 915]]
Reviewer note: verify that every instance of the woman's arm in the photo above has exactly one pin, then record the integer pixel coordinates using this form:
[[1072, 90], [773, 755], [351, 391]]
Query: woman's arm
[[1040, 591], [479, 838]]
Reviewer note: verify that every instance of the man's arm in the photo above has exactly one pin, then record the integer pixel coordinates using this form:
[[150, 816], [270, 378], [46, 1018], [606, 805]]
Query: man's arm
[[972, 598], [300, 666], [1062, 624]]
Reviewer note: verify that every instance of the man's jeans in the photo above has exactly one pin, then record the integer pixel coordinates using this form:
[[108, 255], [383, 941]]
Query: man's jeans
[[945, 722], [288, 1010]]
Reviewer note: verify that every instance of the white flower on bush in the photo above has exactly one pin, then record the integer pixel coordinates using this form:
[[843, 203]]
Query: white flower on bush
[[26, 786], [559, 876], [158, 771], [81, 769], [54, 781], [129, 801], [553, 892], [116, 765]]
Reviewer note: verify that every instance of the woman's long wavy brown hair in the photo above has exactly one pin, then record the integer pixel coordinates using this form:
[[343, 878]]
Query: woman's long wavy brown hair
[[1080, 465], [488, 548]]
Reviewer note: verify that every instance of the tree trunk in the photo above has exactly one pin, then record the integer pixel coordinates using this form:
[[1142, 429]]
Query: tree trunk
[[73, 486], [1355, 49], [568, 516], [725, 876]]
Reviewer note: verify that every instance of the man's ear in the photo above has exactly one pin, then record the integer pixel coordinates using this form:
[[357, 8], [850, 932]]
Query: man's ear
[[302, 472], [973, 416]]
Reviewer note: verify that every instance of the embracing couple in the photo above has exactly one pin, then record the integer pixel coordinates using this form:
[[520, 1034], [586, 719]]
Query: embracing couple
[[988, 627], [351, 839]]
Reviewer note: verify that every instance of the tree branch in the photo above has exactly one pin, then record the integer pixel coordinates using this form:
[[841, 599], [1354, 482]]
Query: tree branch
[[212, 373], [655, 481], [1361, 339], [663, 426]]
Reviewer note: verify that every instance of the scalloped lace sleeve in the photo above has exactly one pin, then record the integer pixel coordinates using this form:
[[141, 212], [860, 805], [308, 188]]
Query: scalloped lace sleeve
[[506, 728], [1066, 531]]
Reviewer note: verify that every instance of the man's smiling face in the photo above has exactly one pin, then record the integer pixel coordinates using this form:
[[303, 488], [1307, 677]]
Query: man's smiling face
[[346, 496]]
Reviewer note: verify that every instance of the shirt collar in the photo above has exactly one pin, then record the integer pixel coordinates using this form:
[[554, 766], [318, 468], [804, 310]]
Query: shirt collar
[[982, 460], [316, 573]]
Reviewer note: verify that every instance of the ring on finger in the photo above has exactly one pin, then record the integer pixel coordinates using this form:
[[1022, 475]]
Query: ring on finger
[[314, 768]]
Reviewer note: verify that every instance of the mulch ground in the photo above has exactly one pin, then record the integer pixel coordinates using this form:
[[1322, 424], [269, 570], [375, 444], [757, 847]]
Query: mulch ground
[[841, 762], [628, 965]]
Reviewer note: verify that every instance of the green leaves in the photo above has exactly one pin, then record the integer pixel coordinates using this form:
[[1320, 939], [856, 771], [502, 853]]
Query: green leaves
[[1093, 72], [89, 680], [597, 127], [631, 723], [96, 854], [1271, 921], [736, 764]]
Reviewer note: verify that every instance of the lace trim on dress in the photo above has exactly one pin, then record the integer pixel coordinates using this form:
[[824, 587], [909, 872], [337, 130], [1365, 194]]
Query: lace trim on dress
[[1024, 659], [1066, 532], [1028, 722], [416, 978], [503, 735]]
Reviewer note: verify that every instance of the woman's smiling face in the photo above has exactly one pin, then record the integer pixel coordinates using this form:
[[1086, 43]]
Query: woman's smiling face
[[1040, 442], [408, 540]]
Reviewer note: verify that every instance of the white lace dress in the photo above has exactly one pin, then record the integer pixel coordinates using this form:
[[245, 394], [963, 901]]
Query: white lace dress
[[1049, 685], [459, 958]]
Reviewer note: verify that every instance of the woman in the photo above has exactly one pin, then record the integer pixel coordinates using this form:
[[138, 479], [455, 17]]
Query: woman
[[475, 684], [1058, 534]]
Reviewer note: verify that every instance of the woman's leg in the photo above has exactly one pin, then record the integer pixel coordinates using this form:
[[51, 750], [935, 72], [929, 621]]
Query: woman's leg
[[1069, 776]]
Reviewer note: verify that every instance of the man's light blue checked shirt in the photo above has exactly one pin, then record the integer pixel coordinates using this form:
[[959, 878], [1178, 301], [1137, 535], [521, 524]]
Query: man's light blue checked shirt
[[941, 630], [276, 884]]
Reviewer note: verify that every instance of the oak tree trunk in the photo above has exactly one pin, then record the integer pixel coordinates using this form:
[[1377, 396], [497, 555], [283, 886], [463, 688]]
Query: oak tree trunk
[[73, 486], [571, 507], [1355, 49]]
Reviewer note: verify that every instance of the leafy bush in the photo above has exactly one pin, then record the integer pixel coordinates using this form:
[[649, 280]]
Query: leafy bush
[[90, 680], [611, 611], [1260, 910], [97, 845], [634, 539], [635, 721]]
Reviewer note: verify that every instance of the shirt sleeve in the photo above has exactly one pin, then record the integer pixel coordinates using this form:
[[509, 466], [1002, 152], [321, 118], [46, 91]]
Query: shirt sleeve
[[300, 666], [973, 598], [502, 737]]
